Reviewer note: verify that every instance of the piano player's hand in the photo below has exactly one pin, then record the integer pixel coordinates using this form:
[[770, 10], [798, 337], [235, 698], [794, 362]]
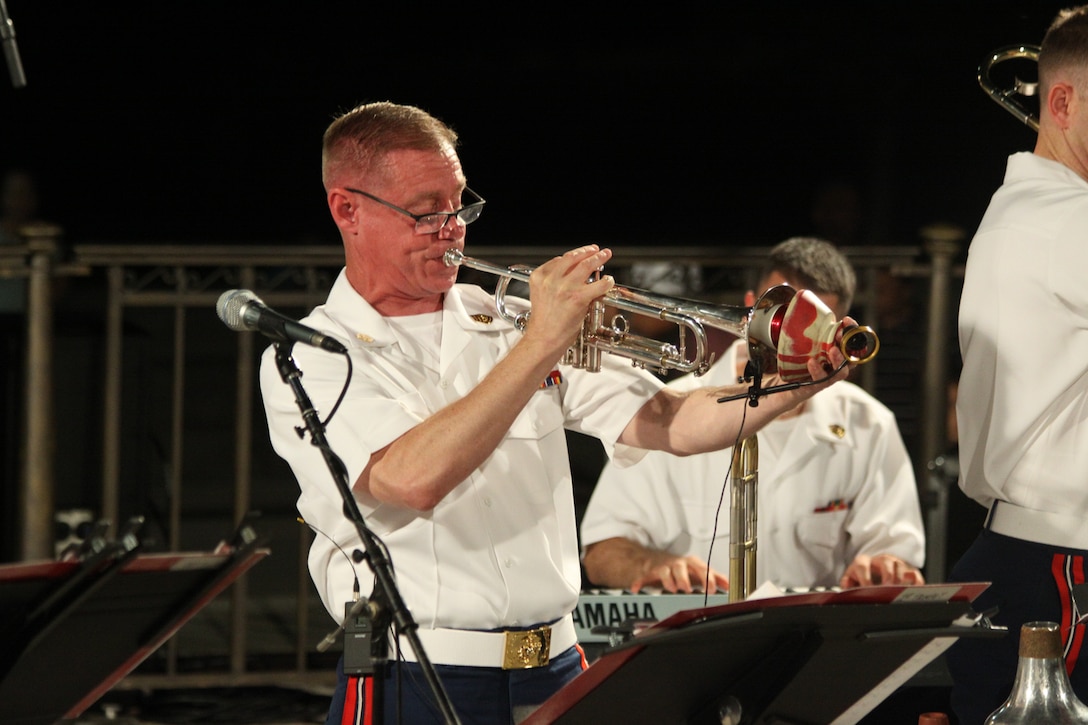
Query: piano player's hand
[[619, 562], [680, 574], [880, 569]]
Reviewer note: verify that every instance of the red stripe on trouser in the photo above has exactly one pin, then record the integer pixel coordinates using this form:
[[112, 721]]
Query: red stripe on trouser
[[1068, 571], [351, 701], [357, 707]]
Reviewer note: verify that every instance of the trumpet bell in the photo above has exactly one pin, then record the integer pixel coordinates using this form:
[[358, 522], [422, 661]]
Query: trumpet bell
[[790, 327]]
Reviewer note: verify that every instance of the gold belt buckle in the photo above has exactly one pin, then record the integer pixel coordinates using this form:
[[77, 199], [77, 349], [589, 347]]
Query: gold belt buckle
[[527, 649]]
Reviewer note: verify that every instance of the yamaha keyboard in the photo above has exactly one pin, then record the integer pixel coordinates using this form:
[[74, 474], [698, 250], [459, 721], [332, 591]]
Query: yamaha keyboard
[[612, 609]]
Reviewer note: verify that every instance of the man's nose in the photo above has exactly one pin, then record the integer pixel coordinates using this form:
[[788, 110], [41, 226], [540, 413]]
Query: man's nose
[[454, 228]]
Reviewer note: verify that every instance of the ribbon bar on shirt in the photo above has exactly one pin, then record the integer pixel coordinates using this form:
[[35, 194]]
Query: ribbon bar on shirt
[[554, 378]]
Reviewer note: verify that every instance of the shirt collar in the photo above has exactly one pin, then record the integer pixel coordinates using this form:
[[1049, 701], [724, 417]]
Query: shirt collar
[[468, 306]]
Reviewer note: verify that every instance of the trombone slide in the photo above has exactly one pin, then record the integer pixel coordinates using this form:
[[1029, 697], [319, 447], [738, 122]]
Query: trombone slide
[[743, 519]]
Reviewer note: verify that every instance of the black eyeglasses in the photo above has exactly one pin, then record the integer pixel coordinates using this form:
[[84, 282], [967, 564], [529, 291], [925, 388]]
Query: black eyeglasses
[[435, 221]]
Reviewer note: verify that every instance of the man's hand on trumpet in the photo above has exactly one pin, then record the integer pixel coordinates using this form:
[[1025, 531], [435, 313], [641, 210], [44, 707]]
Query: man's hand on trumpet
[[561, 296]]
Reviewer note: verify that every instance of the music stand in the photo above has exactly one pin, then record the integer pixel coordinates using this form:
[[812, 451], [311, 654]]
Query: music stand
[[73, 629], [827, 657]]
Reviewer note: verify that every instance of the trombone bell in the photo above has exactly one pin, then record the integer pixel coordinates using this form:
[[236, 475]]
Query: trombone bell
[[1011, 98]]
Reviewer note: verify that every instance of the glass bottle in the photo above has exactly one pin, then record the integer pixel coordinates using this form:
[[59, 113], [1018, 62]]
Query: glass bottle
[[1041, 692]]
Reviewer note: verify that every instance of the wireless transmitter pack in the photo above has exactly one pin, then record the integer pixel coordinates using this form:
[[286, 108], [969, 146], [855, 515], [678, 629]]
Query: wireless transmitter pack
[[359, 641]]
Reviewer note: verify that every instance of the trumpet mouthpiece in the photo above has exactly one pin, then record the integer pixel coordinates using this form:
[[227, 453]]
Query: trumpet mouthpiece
[[452, 257]]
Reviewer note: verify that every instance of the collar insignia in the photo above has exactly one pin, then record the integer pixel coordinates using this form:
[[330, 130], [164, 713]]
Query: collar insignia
[[837, 430], [364, 337], [483, 319]]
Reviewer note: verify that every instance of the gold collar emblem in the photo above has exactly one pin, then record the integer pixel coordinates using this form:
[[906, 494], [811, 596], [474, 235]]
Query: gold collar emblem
[[483, 319], [837, 430]]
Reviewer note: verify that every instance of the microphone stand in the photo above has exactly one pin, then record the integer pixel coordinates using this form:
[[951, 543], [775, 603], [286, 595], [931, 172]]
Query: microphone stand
[[753, 371], [385, 588], [11, 48]]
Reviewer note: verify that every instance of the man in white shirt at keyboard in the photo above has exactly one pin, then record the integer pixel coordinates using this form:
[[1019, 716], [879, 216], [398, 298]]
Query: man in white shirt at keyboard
[[838, 503]]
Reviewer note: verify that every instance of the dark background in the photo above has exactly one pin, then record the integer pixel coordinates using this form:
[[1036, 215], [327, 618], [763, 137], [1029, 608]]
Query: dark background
[[684, 123], [623, 124]]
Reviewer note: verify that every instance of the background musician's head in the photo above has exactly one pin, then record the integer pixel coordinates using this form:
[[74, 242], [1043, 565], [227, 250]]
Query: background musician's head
[[812, 264]]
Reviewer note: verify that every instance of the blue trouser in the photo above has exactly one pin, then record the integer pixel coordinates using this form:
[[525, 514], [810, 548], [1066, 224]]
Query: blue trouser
[[1030, 582], [480, 695]]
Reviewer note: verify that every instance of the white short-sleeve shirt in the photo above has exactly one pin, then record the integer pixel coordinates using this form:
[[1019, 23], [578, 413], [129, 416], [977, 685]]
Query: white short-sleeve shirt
[[1022, 406], [501, 549]]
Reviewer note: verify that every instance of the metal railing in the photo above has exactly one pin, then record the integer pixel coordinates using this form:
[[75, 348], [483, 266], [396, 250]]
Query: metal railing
[[174, 281]]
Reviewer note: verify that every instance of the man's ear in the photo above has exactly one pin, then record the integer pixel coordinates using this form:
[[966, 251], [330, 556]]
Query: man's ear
[[1061, 101], [343, 209]]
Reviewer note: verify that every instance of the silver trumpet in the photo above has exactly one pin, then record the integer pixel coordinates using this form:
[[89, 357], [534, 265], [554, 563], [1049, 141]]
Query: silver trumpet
[[770, 327], [1011, 98]]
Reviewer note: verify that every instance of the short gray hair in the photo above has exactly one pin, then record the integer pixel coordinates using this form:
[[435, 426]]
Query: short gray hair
[[815, 263], [358, 141]]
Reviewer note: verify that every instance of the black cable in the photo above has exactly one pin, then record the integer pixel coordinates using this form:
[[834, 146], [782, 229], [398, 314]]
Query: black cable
[[355, 588], [753, 373], [721, 501], [343, 393]]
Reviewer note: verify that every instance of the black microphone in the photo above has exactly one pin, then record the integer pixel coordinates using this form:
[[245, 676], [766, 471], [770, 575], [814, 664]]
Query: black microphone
[[11, 49], [241, 310]]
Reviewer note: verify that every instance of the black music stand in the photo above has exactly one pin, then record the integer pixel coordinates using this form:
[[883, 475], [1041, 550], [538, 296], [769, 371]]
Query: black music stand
[[809, 658], [70, 630]]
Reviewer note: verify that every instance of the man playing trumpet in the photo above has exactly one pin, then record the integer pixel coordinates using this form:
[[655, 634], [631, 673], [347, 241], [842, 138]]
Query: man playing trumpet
[[452, 429]]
